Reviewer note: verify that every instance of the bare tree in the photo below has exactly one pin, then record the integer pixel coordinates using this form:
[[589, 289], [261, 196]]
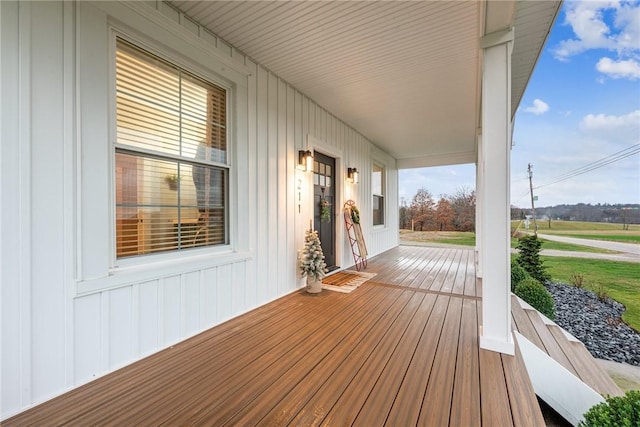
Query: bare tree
[[444, 215], [464, 207], [423, 209]]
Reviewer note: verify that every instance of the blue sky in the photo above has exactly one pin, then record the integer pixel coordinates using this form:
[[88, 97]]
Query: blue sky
[[582, 105]]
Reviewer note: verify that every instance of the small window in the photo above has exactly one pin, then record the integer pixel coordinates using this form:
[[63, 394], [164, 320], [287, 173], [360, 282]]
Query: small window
[[378, 190], [171, 170]]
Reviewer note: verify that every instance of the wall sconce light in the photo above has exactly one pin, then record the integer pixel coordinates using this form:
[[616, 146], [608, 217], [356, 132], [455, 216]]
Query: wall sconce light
[[305, 160], [352, 174]]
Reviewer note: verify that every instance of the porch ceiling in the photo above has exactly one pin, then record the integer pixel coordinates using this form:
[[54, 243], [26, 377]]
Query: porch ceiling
[[404, 74]]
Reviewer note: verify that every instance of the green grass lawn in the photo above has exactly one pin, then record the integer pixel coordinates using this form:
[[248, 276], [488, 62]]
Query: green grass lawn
[[621, 280], [587, 230], [469, 239], [464, 238], [631, 238], [560, 246]]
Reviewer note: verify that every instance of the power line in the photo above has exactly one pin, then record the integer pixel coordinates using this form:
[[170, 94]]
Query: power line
[[612, 158]]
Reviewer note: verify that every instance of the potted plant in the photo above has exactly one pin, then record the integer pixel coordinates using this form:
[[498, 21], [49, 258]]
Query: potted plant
[[172, 181], [311, 262]]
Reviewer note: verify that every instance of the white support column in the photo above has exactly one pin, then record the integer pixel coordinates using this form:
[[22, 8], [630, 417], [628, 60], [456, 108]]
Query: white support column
[[479, 204], [495, 181]]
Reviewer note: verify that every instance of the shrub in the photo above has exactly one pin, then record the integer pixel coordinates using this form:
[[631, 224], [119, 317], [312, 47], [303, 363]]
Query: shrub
[[529, 258], [601, 293], [518, 274], [577, 280], [537, 296], [619, 411]]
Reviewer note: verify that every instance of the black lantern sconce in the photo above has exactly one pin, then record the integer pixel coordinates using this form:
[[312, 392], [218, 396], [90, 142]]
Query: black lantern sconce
[[305, 160], [352, 174]]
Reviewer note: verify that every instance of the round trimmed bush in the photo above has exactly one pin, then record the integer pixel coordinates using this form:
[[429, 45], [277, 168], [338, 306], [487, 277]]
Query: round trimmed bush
[[619, 411], [537, 296], [518, 274]]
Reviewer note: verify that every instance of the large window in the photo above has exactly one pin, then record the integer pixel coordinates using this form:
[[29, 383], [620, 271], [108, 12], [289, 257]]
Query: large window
[[171, 170], [377, 188]]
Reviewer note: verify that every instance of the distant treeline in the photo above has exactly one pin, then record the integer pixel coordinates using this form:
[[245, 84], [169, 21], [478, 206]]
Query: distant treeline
[[618, 214], [457, 212], [450, 213]]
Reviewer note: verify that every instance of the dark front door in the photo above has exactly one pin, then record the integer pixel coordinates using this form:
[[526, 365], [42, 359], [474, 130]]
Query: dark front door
[[324, 194]]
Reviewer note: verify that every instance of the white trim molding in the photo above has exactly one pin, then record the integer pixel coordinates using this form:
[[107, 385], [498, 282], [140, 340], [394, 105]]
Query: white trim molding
[[438, 160], [497, 38]]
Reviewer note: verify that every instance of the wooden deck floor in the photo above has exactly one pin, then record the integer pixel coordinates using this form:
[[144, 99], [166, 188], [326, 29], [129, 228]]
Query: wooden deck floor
[[401, 350]]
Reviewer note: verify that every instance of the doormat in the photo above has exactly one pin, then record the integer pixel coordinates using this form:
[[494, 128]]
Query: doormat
[[345, 281]]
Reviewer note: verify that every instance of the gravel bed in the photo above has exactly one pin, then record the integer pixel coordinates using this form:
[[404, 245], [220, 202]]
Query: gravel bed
[[596, 323]]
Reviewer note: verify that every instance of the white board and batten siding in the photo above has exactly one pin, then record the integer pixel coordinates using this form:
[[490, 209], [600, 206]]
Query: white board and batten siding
[[70, 312]]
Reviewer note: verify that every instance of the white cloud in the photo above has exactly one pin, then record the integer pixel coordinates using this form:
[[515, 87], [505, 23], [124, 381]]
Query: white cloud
[[586, 20], [604, 122], [538, 107], [619, 69], [628, 20], [610, 25]]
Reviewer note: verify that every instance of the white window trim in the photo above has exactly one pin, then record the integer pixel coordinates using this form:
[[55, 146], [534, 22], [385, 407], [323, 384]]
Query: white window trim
[[97, 268], [116, 263], [383, 226]]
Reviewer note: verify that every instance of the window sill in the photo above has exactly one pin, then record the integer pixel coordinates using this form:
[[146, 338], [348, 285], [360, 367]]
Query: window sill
[[126, 276], [380, 228]]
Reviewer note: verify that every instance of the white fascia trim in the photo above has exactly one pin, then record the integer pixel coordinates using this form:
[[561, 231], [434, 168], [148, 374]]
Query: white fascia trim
[[437, 160], [497, 38]]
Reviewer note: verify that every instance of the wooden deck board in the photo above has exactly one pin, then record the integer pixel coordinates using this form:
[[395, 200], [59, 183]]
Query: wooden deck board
[[459, 282], [436, 405], [271, 384], [550, 344], [353, 398], [416, 277], [441, 272], [380, 400], [402, 350], [273, 362], [426, 280], [585, 365], [493, 389], [525, 411], [454, 271], [407, 272], [465, 407], [405, 410], [523, 323], [470, 287], [325, 399]]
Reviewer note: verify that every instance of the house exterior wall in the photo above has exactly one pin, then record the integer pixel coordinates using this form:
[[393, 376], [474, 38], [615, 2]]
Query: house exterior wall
[[69, 311]]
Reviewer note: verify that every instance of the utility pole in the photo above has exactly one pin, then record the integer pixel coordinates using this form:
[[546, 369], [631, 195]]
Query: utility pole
[[533, 208]]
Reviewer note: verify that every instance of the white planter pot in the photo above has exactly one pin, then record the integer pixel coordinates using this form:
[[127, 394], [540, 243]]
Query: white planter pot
[[314, 286]]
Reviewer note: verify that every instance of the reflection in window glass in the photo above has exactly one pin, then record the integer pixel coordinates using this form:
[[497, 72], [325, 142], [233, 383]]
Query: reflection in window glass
[[171, 155]]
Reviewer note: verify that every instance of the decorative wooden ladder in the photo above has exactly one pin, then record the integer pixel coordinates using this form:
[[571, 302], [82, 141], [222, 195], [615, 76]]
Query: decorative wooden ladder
[[356, 238]]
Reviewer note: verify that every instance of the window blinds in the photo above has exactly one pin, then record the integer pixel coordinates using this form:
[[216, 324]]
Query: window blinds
[[171, 157]]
